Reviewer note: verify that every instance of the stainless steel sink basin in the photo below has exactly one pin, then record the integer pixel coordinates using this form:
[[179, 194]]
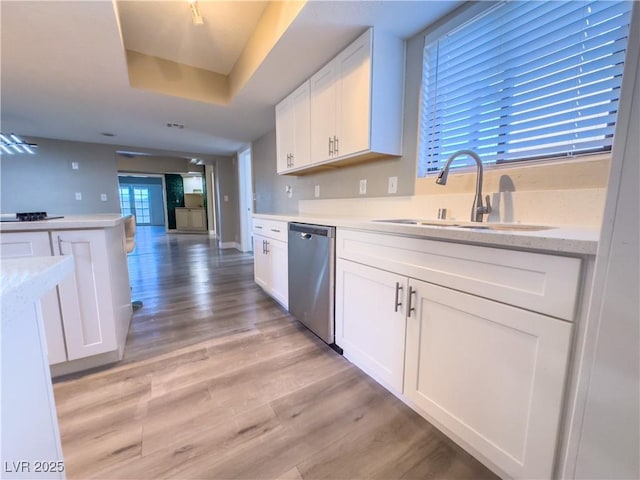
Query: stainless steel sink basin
[[506, 227], [513, 227], [431, 223]]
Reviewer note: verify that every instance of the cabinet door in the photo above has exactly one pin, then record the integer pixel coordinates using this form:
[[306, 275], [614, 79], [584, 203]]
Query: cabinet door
[[260, 262], [323, 113], [284, 133], [301, 133], [278, 254], [37, 244], [196, 219], [354, 97], [491, 374], [182, 219], [85, 297], [369, 326]]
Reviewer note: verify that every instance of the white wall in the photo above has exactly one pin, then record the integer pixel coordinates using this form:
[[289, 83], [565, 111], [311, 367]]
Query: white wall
[[605, 431]]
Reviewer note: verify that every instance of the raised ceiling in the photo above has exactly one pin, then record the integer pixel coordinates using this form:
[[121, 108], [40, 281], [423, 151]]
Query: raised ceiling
[[64, 72], [166, 30]]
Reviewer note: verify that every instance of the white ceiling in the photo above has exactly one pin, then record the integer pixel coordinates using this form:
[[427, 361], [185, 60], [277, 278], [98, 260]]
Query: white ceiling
[[64, 74]]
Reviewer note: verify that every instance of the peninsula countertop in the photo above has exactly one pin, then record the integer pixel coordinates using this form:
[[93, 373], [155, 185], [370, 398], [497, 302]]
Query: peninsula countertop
[[575, 240], [68, 222], [24, 280]]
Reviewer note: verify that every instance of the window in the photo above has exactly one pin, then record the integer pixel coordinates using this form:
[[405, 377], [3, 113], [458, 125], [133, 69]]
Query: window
[[125, 201], [525, 80]]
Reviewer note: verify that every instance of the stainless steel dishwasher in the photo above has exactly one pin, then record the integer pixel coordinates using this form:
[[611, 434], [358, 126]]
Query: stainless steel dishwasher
[[312, 278]]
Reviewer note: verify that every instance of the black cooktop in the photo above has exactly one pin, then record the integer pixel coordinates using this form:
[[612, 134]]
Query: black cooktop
[[29, 217]]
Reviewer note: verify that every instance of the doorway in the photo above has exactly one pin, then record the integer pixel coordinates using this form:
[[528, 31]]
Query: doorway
[[246, 199], [142, 197]]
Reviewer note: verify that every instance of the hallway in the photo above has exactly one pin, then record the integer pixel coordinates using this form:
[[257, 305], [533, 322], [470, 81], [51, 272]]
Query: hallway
[[219, 382]]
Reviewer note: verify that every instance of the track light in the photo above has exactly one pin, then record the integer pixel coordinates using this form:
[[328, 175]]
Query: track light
[[11, 143], [195, 12]]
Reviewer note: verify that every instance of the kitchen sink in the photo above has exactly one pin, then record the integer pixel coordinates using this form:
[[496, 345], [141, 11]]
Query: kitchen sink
[[430, 223], [506, 227]]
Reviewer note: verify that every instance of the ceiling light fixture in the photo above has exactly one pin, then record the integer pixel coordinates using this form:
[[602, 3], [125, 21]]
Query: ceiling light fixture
[[195, 12], [10, 143]]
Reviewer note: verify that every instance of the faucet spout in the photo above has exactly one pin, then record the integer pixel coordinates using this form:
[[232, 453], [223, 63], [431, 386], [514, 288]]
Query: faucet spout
[[477, 209]]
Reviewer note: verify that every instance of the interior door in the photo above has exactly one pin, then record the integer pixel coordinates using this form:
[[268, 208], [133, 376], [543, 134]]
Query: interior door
[[136, 200]]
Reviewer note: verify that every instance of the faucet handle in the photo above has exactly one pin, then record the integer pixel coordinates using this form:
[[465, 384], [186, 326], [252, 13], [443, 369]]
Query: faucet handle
[[487, 207]]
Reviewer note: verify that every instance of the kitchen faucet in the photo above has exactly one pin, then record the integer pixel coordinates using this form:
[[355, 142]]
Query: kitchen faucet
[[477, 209]]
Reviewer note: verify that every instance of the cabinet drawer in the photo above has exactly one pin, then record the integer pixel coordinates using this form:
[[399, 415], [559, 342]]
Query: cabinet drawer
[[543, 283], [275, 229]]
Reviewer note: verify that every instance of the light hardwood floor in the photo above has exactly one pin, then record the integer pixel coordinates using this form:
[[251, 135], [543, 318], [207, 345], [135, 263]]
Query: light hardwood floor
[[218, 382]]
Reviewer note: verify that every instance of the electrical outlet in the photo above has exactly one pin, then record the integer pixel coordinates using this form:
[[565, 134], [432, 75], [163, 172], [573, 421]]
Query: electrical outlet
[[103, 197], [74, 165], [393, 185], [288, 190], [363, 186], [316, 192], [78, 195], [225, 198]]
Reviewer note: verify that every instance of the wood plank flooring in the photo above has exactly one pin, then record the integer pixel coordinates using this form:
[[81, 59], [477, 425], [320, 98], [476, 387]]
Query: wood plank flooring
[[218, 382]]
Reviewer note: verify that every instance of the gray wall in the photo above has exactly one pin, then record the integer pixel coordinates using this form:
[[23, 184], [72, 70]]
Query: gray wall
[[344, 182], [46, 182], [156, 164], [229, 210]]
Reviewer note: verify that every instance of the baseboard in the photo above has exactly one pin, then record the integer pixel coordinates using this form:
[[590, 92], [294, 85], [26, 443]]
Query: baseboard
[[224, 245]]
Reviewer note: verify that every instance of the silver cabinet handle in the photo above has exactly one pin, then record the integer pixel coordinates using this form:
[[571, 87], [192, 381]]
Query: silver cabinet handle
[[264, 247], [398, 303], [335, 145], [411, 308], [60, 245], [268, 251], [292, 160], [275, 230], [259, 227], [330, 146]]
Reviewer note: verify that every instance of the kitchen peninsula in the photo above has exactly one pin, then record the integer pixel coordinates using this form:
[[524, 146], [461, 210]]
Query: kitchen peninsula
[[87, 317]]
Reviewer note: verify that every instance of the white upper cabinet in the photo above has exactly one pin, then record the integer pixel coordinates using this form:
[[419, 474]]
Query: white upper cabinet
[[355, 106], [292, 130], [323, 112]]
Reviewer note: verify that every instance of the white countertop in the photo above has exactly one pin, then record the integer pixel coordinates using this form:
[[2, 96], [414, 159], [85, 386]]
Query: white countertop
[[24, 280], [100, 220], [560, 239]]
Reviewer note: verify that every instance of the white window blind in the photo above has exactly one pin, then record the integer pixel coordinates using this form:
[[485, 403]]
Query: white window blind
[[525, 80]]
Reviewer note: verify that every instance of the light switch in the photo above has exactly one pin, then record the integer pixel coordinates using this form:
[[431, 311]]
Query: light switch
[[393, 185], [78, 195], [316, 193], [363, 186], [103, 197], [74, 165]]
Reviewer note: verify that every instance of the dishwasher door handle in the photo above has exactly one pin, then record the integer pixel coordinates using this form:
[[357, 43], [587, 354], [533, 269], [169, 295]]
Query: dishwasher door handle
[[305, 236]]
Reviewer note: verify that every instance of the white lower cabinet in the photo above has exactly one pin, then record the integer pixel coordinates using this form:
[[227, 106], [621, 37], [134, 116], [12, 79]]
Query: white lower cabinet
[[271, 259], [490, 373], [371, 319], [90, 312], [37, 244], [85, 298]]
